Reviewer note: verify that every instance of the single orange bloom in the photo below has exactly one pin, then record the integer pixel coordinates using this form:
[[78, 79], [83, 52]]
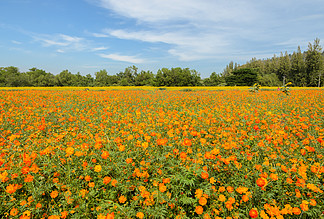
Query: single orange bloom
[[97, 168], [69, 151], [54, 194], [14, 212], [29, 178], [204, 175], [162, 187], [183, 155], [11, 188], [140, 215], [312, 202], [296, 211], [122, 199], [202, 201], [91, 184], [253, 213], [262, 182], [64, 214], [87, 178], [129, 160], [54, 217], [106, 180], [222, 198], [114, 182], [199, 209], [105, 154]]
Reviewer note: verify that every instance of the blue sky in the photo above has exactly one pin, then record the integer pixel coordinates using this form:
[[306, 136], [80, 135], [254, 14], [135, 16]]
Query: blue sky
[[89, 35]]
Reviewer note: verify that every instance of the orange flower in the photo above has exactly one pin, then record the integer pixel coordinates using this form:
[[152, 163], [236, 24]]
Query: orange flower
[[204, 175], [29, 178], [129, 160], [140, 215], [69, 151], [97, 168], [198, 193], [11, 188], [199, 209], [54, 194], [162, 187], [222, 198], [312, 202], [91, 184], [262, 182], [122, 199], [253, 213], [13, 211], [296, 211], [105, 154], [202, 201], [114, 182], [106, 180], [54, 217]]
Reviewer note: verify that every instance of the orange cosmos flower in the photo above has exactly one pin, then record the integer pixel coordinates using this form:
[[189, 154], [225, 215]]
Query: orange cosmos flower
[[261, 182], [54, 217], [202, 201], [199, 209], [29, 178], [54, 194], [122, 199], [129, 160], [253, 213], [13, 211], [106, 180], [97, 168], [69, 151], [11, 188], [296, 211], [140, 215], [105, 154], [162, 187], [222, 198], [114, 182], [204, 175]]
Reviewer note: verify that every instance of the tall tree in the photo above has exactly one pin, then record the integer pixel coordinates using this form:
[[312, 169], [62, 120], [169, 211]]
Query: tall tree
[[284, 67], [314, 64], [297, 72]]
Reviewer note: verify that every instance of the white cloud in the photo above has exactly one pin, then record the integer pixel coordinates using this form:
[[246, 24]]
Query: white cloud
[[62, 41], [212, 28], [16, 42], [123, 58], [99, 48]]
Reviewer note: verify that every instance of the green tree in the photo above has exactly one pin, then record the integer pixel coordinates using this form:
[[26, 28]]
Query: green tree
[[314, 64], [144, 78], [297, 72], [101, 78], [242, 77], [40, 78], [65, 78], [284, 67], [11, 77]]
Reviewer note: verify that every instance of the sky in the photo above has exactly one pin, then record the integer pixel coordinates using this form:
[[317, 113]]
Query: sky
[[90, 35]]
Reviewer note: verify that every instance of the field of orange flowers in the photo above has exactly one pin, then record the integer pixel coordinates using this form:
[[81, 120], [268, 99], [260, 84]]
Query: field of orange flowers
[[161, 154]]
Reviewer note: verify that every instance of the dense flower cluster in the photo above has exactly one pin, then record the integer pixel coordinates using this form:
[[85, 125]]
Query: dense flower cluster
[[153, 154]]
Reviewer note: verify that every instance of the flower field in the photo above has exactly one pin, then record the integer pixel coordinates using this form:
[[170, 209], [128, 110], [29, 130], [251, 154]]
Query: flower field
[[161, 154]]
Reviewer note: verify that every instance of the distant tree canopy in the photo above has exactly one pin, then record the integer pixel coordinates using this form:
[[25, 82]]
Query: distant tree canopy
[[302, 69], [242, 77]]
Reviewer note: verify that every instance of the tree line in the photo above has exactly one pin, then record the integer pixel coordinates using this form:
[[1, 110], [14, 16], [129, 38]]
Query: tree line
[[302, 69]]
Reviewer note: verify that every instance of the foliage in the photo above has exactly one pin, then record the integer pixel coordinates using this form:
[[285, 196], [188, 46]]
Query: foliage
[[153, 154], [242, 77]]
